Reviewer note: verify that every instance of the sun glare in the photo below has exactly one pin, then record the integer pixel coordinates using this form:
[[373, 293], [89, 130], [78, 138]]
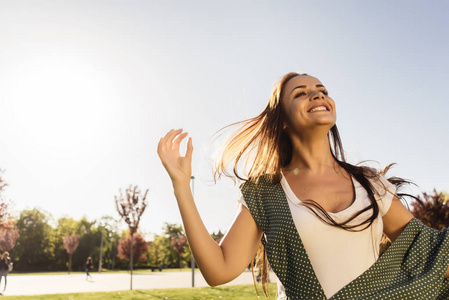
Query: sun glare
[[60, 105]]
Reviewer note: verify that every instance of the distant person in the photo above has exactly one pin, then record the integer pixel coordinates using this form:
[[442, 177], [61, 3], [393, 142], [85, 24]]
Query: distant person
[[5, 263], [88, 267], [319, 218]]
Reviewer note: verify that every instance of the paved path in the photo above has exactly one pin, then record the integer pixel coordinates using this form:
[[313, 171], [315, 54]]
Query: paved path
[[57, 284]]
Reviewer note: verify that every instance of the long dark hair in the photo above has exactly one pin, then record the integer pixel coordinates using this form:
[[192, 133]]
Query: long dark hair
[[264, 147]]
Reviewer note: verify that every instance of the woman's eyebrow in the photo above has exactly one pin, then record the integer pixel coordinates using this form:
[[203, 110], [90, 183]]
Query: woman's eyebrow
[[298, 87], [304, 86]]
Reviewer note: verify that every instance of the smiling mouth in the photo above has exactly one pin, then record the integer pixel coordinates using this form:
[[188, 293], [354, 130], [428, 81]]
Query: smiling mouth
[[318, 108]]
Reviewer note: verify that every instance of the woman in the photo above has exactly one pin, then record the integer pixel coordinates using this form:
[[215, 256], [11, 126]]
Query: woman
[[319, 218], [5, 261], [88, 267]]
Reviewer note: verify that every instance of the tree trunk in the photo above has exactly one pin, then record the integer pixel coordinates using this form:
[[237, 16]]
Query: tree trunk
[[70, 263], [131, 261], [114, 254], [101, 252]]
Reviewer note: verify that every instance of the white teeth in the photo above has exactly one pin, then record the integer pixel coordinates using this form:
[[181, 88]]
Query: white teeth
[[318, 108]]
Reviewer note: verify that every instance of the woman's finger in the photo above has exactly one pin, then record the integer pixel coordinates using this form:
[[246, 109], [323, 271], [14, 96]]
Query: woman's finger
[[170, 136], [163, 141], [167, 134], [189, 149], [179, 139], [160, 146]]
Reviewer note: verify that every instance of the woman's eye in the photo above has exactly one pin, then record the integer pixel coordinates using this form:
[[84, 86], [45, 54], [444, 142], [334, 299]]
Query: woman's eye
[[300, 94], [325, 92]]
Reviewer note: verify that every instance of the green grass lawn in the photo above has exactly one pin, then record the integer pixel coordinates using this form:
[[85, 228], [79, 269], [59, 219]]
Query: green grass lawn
[[238, 292]]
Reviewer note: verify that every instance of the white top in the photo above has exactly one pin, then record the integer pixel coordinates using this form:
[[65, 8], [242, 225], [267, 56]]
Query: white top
[[339, 256]]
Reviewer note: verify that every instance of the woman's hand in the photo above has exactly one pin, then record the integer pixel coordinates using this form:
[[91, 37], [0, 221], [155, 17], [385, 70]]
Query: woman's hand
[[218, 263], [179, 167]]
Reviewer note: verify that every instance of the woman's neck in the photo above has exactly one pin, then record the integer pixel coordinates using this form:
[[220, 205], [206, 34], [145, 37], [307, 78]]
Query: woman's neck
[[311, 154]]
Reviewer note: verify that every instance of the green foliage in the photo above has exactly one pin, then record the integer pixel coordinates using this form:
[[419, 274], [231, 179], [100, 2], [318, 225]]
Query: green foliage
[[64, 226], [40, 246], [89, 242], [170, 258], [217, 236], [161, 251], [109, 225], [156, 254], [90, 238], [35, 246]]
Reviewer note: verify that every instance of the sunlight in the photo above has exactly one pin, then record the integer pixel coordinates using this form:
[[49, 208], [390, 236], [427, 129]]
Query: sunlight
[[60, 105]]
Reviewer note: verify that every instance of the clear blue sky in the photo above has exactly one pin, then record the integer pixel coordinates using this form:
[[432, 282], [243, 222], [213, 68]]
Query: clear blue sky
[[87, 88]]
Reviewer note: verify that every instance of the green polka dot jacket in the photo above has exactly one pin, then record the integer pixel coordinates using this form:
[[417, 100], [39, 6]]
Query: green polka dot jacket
[[413, 267]]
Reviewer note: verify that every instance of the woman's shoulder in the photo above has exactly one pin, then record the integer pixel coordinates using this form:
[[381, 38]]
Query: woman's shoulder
[[259, 188], [261, 181], [377, 179], [381, 184]]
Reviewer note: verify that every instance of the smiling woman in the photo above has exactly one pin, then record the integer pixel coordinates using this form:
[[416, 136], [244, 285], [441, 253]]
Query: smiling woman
[[320, 219], [298, 107]]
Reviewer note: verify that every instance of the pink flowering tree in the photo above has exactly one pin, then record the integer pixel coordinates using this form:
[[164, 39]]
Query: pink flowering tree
[[130, 207], [8, 232], [434, 212], [178, 244], [8, 235], [140, 247], [71, 242], [3, 205]]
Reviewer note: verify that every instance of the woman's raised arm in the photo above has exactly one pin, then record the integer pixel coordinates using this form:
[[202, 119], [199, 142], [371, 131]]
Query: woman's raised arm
[[218, 263]]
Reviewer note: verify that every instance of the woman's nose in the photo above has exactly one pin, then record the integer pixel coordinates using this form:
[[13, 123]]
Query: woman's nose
[[318, 96]]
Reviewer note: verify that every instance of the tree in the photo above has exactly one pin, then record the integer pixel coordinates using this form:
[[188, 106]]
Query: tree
[[71, 242], [178, 244], [172, 258], [64, 226], [217, 236], [156, 251], [131, 207], [3, 205], [140, 247], [35, 247], [8, 235], [109, 227], [90, 235], [89, 238], [434, 212]]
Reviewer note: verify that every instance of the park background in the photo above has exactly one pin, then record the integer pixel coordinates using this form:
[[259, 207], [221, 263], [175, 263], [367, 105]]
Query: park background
[[87, 88]]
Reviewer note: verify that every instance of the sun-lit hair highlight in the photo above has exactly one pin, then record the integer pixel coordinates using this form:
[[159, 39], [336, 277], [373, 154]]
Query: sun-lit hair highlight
[[261, 142]]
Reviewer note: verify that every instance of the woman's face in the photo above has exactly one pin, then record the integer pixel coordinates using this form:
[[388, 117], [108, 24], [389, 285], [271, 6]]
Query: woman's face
[[306, 104]]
